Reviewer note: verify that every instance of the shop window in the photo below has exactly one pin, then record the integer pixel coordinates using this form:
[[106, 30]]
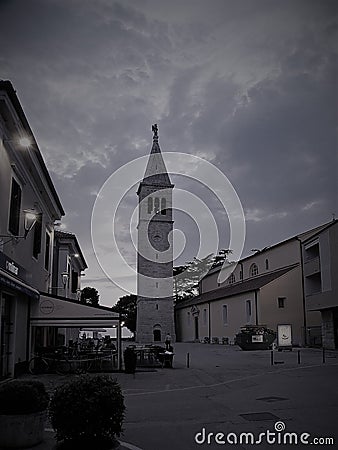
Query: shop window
[[14, 212]]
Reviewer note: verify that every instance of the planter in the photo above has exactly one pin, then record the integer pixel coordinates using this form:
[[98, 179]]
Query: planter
[[255, 338], [22, 430]]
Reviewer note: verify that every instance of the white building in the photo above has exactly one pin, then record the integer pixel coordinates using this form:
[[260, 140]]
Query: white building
[[25, 262], [266, 288]]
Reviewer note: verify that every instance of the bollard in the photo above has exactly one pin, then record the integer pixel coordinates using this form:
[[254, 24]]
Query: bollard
[[188, 360], [271, 357], [323, 355], [298, 356]]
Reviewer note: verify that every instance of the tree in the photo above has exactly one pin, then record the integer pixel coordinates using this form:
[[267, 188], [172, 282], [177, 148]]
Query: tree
[[126, 306], [90, 296], [187, 276]]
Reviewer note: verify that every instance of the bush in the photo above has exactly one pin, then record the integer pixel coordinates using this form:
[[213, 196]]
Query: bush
[[88, 410], [23, 397]]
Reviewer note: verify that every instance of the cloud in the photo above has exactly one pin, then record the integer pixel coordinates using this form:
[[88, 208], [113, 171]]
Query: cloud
[[252, 86]]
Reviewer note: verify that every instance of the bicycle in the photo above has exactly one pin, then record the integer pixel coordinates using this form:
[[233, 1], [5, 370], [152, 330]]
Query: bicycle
[[53, 363]]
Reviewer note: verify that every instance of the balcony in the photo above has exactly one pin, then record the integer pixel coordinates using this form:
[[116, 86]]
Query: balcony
[[311, 267]]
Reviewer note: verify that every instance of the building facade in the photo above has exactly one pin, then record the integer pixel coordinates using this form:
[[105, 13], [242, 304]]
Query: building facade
[[155, 309], [320, 269], [26, 255], [266, 288]]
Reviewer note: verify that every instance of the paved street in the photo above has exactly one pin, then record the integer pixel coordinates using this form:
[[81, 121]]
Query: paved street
[[166, 408]]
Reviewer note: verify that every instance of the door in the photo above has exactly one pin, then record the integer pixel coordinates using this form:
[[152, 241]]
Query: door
[[196, 328], [4, 335]]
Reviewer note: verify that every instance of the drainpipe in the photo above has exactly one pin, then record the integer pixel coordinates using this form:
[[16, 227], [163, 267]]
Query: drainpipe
[[209, 327], [303, 291], [256, 307]]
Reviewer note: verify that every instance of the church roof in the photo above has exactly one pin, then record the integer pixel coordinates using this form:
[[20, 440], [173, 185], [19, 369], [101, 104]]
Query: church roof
[[156, 172]]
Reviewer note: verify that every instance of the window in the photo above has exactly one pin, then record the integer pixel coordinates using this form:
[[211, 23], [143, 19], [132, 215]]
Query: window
[[248, 310], [189, 318], [14, 212], [150, 204], [204, 316], [232, 279], [225, 314], [253, 270], [37, 236], [157, 306], [75, 281], [241, 274], [163, 206], [281, 302], [157, 284], [157, 205], [267, 264], [47, 251]]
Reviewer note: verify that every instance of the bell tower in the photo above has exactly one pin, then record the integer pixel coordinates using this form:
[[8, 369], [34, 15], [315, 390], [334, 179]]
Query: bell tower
[[155, 308]]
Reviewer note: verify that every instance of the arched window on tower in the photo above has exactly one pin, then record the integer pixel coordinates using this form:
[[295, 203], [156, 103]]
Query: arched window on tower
[[156, 205], [150, 204], [163, 206], [253, 270]]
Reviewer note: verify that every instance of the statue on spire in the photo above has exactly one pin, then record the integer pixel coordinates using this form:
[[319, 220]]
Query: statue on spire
[[154, 129]]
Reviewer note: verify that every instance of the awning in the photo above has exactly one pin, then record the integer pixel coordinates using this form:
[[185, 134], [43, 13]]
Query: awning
[[14, 283], [62, 312]]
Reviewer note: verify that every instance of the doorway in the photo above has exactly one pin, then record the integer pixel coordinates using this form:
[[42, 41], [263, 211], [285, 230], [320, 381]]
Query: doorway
[[5, 333], [196, 329]]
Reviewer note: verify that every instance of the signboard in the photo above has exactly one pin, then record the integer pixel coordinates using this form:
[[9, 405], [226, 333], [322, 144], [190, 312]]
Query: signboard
[[284, 336], [12, 267], [257, 338]]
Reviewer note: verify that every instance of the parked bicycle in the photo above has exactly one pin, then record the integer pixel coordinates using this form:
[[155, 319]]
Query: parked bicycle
[[56, 362]]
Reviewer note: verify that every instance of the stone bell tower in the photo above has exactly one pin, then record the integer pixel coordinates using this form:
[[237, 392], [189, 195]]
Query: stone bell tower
[[155, 308]]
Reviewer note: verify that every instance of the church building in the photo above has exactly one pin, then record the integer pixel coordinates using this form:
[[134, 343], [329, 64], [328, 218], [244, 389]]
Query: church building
[[155, 308]]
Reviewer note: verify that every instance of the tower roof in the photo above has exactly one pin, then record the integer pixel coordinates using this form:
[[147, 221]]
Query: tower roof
[[156, 172]]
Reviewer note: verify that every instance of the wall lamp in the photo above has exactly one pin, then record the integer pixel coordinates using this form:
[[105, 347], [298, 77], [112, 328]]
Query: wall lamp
[[30, 217], [23, 141]]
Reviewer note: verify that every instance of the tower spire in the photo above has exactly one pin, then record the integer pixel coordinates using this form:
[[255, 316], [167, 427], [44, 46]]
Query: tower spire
[[156, 172]]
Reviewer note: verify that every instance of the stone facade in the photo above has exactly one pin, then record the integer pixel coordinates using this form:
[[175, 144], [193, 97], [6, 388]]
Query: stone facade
[[155, 309]]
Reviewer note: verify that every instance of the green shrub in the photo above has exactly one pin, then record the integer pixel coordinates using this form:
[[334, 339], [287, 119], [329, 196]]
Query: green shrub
[[23, 397], [87, 410]]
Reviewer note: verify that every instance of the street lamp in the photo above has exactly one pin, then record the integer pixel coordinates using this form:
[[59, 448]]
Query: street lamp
[[65, 277]]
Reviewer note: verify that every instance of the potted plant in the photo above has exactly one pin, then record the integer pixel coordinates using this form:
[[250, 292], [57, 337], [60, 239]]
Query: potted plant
[[88, 412], [23, 412]]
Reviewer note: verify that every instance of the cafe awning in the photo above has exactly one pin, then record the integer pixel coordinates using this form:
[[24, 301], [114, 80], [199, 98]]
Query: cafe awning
[[62, 312], [14, 283]]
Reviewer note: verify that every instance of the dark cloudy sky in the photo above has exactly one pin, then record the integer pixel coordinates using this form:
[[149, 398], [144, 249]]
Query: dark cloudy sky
[[251, 86]]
